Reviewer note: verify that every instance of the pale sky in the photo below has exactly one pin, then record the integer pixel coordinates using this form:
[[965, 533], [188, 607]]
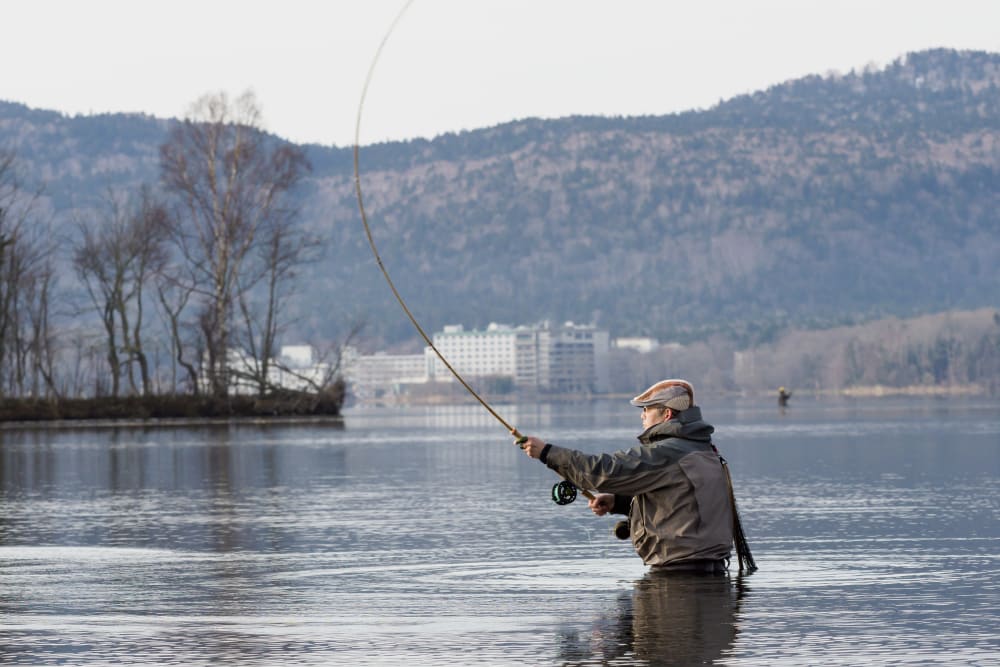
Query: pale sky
[[451, 65]]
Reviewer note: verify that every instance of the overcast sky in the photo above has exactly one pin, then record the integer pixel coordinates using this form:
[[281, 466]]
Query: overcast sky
[[451, 65]]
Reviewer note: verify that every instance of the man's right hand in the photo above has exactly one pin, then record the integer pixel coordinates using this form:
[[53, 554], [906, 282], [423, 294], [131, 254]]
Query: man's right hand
[[531, 445]]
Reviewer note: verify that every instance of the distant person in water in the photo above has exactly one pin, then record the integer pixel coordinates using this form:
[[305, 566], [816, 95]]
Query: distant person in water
[[783, 396], [673, 486]]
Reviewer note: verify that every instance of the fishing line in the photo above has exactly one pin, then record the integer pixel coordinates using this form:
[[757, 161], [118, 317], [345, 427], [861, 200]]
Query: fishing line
[[371, 239], [378, 258]]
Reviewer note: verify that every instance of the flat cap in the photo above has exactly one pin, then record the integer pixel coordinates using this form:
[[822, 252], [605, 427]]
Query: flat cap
[[674, 394]]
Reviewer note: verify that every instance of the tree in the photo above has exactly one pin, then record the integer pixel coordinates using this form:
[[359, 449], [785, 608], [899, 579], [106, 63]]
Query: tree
[[284, 248], [27, 354], [230, 180], [115, 259]]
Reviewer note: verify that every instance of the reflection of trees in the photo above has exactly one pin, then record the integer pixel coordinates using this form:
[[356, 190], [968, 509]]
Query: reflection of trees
[[666, 619], [216, 488]]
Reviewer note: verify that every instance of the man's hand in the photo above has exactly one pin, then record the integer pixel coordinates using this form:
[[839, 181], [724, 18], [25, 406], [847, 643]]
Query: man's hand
[[602, 503], [532, 446]]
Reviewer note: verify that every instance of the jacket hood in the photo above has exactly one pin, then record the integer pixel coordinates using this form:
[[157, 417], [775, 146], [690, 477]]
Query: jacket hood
[[687, 424]]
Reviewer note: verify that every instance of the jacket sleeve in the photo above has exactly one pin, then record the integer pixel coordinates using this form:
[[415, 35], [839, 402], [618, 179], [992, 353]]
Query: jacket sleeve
[[622, 505], [625, 473]]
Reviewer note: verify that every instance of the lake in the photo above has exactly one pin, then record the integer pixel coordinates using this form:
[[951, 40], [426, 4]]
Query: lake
[[421, 536]]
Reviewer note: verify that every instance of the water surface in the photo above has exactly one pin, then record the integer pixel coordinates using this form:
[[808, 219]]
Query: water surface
[[420, 536]]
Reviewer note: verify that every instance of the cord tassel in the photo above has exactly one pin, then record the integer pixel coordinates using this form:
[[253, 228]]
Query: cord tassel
[[743, 555]]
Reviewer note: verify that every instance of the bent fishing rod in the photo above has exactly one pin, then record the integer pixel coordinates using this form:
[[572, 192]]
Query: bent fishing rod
[[563, 492]]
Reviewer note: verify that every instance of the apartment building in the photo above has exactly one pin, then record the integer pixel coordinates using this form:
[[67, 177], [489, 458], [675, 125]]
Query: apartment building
[[544, 357]]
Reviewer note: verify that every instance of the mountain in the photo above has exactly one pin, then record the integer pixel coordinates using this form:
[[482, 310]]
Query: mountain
[[822, 201]]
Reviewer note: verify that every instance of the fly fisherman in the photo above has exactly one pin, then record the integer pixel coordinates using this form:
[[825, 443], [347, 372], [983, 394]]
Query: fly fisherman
[[673, 486]]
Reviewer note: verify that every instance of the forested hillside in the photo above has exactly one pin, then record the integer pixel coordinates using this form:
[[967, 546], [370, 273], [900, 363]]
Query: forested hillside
[[822, 201]]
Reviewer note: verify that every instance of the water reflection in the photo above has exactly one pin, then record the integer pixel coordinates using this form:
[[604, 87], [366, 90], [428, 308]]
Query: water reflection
[[214, 487], [665, 619]]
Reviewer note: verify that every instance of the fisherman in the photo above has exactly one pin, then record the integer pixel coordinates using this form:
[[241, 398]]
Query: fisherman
[[783, 396], [673, 486]]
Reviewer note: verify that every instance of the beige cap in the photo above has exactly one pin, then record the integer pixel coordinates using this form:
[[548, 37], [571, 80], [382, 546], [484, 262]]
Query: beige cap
[[674, 394]]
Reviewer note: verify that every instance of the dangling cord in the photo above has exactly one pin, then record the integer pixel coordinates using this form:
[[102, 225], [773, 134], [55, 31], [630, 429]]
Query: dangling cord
[[743, 554]]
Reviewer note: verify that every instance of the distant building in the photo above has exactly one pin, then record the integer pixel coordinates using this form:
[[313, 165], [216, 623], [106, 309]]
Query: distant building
[[297, 356], [380, 374], [492, 352], [567, 358], [547, 358], [294, 368], [639, 344]]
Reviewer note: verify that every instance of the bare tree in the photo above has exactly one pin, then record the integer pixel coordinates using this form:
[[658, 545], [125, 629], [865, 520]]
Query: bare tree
[[115, 260], [26, 281], [285, 248], [231, 180], [173, 296]]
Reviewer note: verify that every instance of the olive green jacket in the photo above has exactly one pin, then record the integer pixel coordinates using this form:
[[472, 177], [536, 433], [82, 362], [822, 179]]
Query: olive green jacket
[[680, 507]]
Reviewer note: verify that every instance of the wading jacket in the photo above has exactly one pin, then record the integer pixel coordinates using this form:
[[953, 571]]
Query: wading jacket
[[672, 486]]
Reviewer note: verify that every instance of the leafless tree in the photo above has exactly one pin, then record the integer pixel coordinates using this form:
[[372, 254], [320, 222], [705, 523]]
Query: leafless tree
[[173, 295], [231, 180], [116, 258], [26, 282], [284, 249]]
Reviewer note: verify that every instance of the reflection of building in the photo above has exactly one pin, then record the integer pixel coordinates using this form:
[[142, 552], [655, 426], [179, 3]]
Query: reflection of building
[[545, 358]]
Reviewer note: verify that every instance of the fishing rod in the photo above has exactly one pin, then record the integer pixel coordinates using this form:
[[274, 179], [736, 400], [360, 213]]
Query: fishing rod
[[563, 492]]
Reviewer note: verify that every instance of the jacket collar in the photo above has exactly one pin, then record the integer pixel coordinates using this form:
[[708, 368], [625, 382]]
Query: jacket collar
[[687, 424]]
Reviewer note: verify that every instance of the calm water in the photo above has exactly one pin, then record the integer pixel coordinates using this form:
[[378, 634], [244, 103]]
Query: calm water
[[423, 537]]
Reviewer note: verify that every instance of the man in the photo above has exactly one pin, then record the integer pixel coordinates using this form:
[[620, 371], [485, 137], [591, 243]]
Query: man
[[673, 486], [783, 396]]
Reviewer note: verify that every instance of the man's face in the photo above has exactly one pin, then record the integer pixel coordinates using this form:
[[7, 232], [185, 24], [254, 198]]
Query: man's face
[[652, 415]]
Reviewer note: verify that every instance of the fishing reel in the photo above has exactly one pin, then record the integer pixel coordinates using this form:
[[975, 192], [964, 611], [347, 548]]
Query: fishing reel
[[563, 493]]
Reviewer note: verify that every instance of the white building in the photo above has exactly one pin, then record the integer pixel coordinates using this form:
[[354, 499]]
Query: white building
[[489, 353], [567, 358], [380, 374], [639, 344], [298, 369], [295, 368], [546, 358]]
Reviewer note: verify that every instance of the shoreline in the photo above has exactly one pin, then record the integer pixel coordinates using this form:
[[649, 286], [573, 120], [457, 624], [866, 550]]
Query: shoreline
[[114, 413], [171, 410], [169, 422], [865, 391]]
